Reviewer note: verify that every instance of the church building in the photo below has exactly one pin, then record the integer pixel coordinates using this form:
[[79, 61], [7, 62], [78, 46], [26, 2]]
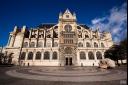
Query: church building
[[65, 43]]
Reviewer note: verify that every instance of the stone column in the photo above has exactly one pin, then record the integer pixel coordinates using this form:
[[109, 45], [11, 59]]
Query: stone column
[[87, 55], [37, 38], [103, 55], [78, 57], [30, 34], [26, 56], [51, 52], [34, 55], [95, 57], [42, 55]]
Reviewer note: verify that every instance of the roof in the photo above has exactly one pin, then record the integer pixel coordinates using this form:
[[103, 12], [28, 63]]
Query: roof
[[46, 25], [49, 25], [84, 26]]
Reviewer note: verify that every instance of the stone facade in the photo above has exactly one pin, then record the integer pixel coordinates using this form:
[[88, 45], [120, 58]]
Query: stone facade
[[61, 44]]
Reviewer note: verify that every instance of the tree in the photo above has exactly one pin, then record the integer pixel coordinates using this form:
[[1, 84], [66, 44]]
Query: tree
[[123, 45], [113, 53], [117, 52]]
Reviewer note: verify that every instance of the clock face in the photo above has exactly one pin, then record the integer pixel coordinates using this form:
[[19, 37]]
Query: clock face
[[68, 28]]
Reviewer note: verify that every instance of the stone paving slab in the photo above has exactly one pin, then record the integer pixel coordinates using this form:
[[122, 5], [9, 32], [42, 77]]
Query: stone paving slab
[[72, 75]]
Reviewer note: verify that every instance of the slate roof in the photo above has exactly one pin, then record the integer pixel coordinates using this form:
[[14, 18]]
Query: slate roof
[[49, 25], [46, 25], [84, 26]]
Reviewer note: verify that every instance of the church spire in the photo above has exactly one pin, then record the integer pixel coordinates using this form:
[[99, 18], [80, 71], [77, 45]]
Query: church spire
[[67, 11]]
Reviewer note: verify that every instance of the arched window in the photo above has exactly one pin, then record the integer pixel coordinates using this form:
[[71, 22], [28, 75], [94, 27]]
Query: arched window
[[55, 44], [40, 44], [38, 55], [48, 44], [68, 50], [25, 44], [80, 34], [82, 55], [30, 56], [32, 44], [54, 55], [80, 44], [23, 56], [91, 55], [88, 44], [46, 55], [102, 45], [86, 36], [95, 44], [68, 28], [98, 55]]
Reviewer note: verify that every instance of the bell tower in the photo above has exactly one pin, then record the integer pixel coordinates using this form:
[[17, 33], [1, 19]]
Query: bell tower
[[67, 16], [68, 38]]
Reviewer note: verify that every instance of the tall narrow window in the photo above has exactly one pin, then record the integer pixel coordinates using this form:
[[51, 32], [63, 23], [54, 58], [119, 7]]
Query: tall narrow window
[[23, 56], [32, 44], [38, 55], [82, 55], [88, 44], [40, 44], [25, 44], [48, 44], [55, 44], [54, 55], [102, 45], [98, 55], [46, 55], [95, 45], [91, 55], [80, 44], [30, 56]]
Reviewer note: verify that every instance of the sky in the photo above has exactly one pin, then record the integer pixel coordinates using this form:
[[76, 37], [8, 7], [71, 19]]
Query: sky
[[107, 15]]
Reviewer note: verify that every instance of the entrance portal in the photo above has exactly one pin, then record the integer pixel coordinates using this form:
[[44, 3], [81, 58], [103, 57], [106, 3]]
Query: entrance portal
[[68, 61]]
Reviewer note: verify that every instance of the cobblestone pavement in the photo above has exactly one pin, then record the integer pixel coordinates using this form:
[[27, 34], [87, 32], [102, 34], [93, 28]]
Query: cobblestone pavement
[[62, 76]]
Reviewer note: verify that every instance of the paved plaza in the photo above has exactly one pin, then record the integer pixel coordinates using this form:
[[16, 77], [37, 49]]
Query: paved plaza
[[62, 76]]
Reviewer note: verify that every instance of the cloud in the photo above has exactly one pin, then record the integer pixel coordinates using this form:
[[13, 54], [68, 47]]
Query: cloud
[[97, 20], [115, 22]]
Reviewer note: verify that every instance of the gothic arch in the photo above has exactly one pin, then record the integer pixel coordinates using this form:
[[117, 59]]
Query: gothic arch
[[38, 55], [23, 55], [68, 50], [46, 55], [80, 44], [102, 45], [30, 56], [68, 28], [32, 44], [55, 44], [25, 44], [40, 44], [91, 55], [95, 45], [99, 55], [82, 55], [88, 44], [54, 56]]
